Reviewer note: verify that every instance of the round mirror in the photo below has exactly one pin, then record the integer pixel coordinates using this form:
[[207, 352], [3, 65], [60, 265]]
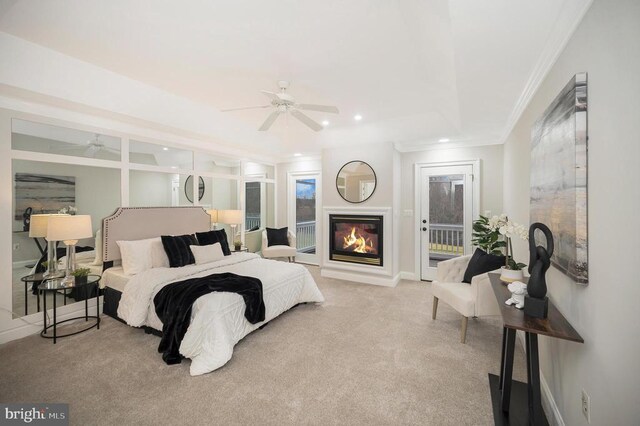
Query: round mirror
[[188, 188], [356, 181]]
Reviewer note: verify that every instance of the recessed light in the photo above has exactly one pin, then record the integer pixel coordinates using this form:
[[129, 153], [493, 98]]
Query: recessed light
[[174, 167], [165, 149], [443, 140], [325, 123], [297, 154], [357, 117]]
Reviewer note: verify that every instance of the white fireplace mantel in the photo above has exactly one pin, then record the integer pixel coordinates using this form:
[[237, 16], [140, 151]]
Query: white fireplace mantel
[[369, 274]]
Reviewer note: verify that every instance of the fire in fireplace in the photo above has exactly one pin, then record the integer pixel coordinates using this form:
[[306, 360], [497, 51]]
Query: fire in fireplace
[[356, 239]]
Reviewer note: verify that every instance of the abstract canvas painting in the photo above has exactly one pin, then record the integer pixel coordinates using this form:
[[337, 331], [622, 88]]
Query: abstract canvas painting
[[559, 177], [43, 193]]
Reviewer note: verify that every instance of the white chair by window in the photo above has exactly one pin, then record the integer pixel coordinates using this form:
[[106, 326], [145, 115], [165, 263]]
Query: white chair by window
[[470, 300], [288, 251]]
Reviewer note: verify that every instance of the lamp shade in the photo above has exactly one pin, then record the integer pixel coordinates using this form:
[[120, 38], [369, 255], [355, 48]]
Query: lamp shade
[[69, 228], [39, 225], [214, 215], [230, 217]]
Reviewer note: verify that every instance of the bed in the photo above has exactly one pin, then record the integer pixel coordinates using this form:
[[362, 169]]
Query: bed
[[217, 320]]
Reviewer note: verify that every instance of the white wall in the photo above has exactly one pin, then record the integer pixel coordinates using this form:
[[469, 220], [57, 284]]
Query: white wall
[[490, 157], [607, 366]]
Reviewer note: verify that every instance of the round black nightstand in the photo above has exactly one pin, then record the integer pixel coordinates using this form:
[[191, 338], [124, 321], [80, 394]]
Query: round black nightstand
[[35, 278], [55, 285]]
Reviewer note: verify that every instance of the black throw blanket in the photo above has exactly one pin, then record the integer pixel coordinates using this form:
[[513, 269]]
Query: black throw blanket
[[173, 305]]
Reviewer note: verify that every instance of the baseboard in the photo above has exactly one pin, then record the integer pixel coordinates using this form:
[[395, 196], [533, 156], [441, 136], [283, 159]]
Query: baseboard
[[410, 276], [26, 326], [360, 278], [548, 402]]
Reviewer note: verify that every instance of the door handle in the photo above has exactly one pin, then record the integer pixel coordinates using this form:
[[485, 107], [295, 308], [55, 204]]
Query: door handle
[[424, 228]]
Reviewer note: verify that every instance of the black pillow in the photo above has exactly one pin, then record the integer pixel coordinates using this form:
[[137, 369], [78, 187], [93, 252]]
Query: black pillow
[[255, 228], [482, 262], [277, 237], [215, 236], [177, 249]]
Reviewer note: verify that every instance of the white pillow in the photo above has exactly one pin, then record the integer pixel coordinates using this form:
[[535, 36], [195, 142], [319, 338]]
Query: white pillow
[[206, 254], [159, 258], [136, 256], [98, 248]]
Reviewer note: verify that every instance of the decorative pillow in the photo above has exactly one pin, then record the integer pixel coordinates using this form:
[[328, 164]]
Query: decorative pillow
[[277, 237], [206, 254], [215, 236], [177, 249], [159, 258], [255, 228], [98, 248], [136, 256], [482, 262]]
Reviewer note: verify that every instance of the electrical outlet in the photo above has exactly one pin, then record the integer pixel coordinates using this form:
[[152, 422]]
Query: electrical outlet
[[16, 246], [586, 406]]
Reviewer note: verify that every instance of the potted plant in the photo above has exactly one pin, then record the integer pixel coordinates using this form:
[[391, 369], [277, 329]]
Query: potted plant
[[81, 275], [494, 235]]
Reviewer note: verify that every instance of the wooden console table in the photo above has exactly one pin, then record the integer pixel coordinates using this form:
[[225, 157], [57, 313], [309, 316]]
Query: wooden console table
[[526, 406]]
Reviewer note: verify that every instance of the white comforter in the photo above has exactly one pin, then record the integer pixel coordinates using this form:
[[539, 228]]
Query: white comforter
[[217, 319]]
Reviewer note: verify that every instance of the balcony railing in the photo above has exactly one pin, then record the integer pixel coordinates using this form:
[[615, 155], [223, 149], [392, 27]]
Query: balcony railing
[[446, 241], [251, 222], [306, 235]]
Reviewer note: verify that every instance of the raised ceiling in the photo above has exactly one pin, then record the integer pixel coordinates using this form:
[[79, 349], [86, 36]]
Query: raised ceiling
[[417, 71]]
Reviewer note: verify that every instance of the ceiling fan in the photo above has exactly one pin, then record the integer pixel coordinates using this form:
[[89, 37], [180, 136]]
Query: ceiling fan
[[91, 147], [284, 103]]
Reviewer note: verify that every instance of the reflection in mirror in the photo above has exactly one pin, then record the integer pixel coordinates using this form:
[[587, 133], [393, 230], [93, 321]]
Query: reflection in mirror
[[157, 189], [159, 155], [356, 181], [221, 194], [259, 205], [39, 137], [258, 170], [52, 188], [188, 189], [216, 163]]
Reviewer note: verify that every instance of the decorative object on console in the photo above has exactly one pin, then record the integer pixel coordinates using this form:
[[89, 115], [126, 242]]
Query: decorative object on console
[[69, 229], [480, 263], [214, 217], [537, 303], [233, 218], [356, 182], [518, 291], [38, 229], [559, 177]]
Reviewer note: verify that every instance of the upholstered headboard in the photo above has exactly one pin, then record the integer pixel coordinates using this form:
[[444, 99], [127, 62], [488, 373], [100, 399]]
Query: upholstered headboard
[[138, 223]]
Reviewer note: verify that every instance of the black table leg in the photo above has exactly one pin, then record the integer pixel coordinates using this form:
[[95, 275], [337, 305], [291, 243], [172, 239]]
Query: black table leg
[[44, 314], [98, 304], [25, 298], [38, 296], [86, 308], [504, 343], [54, 316], [65, 296], [507, 372], [536, 415]]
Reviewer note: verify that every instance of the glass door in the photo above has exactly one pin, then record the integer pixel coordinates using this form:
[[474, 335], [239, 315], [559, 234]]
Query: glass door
[[304, 215], [445, 215]]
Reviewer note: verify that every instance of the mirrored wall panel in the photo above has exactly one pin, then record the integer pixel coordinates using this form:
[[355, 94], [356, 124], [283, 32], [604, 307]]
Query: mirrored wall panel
[[159, 155], [39, 137], [258, 170], [216, 163], [158, 189], [52, 188]]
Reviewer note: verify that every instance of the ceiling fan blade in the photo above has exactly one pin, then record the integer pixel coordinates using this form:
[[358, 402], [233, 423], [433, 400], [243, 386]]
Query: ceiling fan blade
[[270, 95], [241, 108], [306, 120], [322, 108], [269, 121], [111, 150], [91, 151], [69, 148]]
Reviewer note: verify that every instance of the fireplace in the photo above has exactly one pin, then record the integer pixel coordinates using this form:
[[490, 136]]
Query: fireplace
[[356, 239]]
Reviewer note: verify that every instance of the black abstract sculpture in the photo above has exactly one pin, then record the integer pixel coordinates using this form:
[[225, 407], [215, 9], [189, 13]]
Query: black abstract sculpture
[[536, 303]]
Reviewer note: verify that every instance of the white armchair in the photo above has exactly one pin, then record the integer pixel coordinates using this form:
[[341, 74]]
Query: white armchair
[[470, 300], [288, 251]]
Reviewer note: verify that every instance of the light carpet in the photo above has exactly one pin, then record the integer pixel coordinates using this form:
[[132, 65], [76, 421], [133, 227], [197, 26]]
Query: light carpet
[[368, 355]]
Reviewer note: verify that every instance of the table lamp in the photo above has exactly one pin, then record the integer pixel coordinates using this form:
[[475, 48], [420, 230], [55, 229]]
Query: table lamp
[[38, 229], [233, 218], [214, 217], [69, 229]]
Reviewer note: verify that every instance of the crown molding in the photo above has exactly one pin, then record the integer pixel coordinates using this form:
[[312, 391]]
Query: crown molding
[[557, 41]]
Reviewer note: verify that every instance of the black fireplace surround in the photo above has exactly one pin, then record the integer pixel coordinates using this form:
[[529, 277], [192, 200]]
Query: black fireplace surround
[[356, 239]]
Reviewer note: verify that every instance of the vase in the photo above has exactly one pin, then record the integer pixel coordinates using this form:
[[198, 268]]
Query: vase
[[511, 275]]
